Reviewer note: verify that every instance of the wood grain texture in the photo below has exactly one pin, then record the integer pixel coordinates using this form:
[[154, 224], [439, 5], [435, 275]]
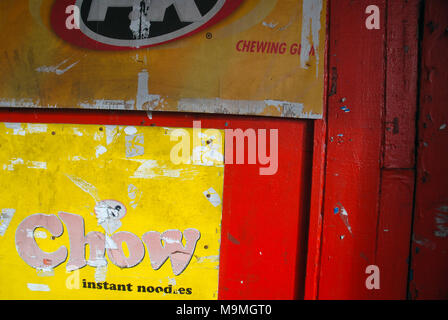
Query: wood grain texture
[[429, 277]]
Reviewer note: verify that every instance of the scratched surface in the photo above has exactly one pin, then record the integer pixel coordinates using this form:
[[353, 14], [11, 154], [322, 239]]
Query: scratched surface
[[210, 71], [53, 168]]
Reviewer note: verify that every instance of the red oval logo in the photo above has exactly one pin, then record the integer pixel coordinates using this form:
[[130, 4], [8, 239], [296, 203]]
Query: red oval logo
[[132, 24]]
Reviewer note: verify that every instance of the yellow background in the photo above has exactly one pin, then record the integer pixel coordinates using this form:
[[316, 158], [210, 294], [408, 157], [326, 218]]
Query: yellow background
[[165, 202]]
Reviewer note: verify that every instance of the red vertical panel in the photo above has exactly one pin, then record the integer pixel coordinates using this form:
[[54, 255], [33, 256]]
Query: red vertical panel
[[355, 130], [401, 83], [263, 245], [316, 214], [394, 233], [397, 174], [429, 276]]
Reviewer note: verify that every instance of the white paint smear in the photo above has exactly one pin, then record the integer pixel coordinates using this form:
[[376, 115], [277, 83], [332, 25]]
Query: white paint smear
[[212, 196], [56, 69], [145, 170], [311, 12], [208, 258], [100, 150], [38, 287], [109, 104], [270, 25], [36, 128], [143, 96], [45, 272], [112, 132], [17, 129], [85, 186], [24, 103], [37, 165], [5, 219], [244, 107], [12, 163], [130, 130], [77, 132]]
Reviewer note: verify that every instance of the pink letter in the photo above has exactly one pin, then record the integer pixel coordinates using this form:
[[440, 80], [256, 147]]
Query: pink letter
[[135, 246], [27, 247], [179, 255], [96, 240]]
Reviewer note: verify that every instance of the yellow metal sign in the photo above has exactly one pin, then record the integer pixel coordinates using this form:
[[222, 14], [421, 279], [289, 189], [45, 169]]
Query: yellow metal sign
[[252, 57], [102, 212]]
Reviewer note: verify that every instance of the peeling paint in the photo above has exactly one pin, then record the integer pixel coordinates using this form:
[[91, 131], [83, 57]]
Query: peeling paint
[[36, 128], [12, 164], [207, 258], [17, 128], [100, 150], [85, 186], [56, 69], [45, 272], [441, 220], [5, 218], [77, 132], [38, 287], [244, 107], [311, 12], [109, 104], [144, 171], [134, 145], [143, 96], [134, 195], [37, 165], [270, 25], [112, 133], [344, 215]]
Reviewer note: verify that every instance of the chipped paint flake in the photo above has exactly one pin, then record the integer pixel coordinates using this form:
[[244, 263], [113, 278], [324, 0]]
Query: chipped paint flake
[[339, 209]]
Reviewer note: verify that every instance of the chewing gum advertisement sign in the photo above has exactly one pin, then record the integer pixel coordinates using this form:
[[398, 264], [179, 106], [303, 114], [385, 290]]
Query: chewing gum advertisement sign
[[103, 212], [244, 57]]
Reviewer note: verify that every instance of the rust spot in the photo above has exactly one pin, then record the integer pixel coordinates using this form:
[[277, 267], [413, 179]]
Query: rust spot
[[101, 129], [47, 262], [53, 133]]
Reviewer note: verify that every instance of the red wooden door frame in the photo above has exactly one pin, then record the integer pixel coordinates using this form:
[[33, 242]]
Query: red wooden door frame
[[363, 169]]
